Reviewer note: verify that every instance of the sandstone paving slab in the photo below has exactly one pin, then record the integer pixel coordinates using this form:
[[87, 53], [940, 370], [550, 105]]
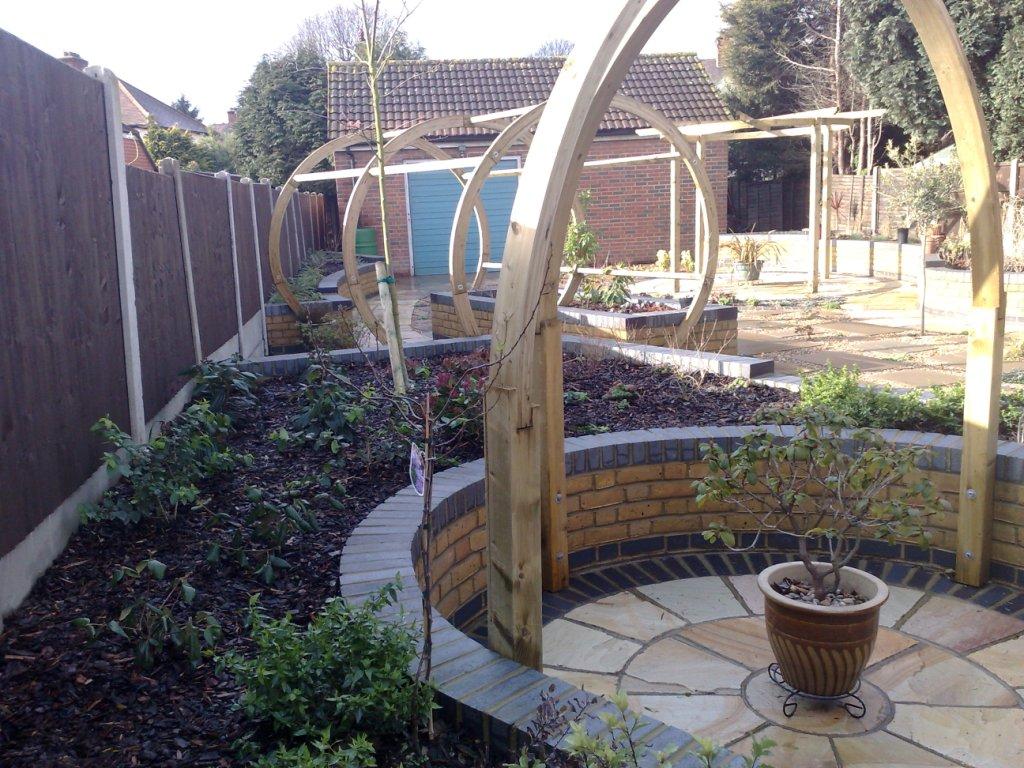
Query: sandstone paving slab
[[959, 625], [628, 615], [748, 590], [931, 675], [883, 750], [889, 643], [900, 601], [567, 644], [721, 718], [1005, 660], [792, 749], [591, 682], [671, 661], [976, 736], [744, 640], [696, 600]]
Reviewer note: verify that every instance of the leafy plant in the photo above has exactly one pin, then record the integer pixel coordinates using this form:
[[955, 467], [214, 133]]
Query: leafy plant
[[707, 751], [610, 291], [839, 390], [161, 475], [348, 669], [156, 627], [225, 386], [330, 407], [925, 193], [751, 250], [809, 489], [581, 244], [458, 404], [571, 397], [322, 752]]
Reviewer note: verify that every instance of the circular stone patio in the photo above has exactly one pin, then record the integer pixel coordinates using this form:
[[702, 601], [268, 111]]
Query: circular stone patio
[[944, 686]]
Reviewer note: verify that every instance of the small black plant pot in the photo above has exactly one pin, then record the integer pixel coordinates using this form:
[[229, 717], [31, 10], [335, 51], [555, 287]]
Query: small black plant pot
[[903, 235]]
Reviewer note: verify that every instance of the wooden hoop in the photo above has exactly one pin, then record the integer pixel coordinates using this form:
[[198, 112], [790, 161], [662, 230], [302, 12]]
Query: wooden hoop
[[414, 136], [520, 408]]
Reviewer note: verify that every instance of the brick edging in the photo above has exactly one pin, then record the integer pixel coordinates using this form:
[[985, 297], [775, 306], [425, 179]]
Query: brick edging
[[497, 697]]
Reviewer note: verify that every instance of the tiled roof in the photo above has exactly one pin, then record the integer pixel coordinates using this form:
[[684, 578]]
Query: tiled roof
[[163, 114], [675, 83]]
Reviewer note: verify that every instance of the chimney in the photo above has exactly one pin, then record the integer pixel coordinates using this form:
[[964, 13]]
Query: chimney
[[74, 61], [232, 114], [723, 49]]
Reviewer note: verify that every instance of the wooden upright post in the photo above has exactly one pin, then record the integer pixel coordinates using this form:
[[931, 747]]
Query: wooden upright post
[[988, 310], [814, 209], [699, 245], [234, 259], [826, 199], [675, 227], [123, 244], [549, 385], [876, 180], [169, 167]]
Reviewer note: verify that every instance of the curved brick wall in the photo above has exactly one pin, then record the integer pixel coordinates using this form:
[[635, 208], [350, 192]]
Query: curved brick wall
[[629, 497]]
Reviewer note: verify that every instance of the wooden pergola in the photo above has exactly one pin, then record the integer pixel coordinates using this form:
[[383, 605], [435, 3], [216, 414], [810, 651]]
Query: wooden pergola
[[525, 474]]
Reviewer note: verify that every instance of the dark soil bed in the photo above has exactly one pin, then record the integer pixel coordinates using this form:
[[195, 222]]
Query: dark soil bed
[[632, 308], [69, 702]]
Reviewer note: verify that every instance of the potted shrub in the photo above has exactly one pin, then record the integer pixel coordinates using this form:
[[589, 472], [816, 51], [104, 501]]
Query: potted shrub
[[749, 255], [928, 193], [821, 613]]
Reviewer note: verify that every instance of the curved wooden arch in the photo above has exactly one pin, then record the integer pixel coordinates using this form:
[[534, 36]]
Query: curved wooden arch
[[414, 136], [314, 158], [519, 130], [516, 435]]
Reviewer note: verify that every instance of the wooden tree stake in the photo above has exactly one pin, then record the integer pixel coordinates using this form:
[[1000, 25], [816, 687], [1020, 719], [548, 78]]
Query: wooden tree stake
[[389, 311]]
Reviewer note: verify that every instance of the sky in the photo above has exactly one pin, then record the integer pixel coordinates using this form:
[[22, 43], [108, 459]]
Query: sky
[[207, 50]]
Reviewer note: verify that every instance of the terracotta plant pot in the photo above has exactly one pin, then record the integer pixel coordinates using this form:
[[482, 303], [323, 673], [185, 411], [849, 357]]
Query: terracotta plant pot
[[822, 650]]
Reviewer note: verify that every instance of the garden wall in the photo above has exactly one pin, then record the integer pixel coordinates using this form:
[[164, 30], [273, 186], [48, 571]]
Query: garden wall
[[947, 299], [630, 498], [96, 313]]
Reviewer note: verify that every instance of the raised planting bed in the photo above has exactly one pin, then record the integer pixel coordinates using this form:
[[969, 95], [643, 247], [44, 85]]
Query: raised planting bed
[[633, 520], [285, 329], [69, 700], [714, 332], [335, 284], [948, 297]]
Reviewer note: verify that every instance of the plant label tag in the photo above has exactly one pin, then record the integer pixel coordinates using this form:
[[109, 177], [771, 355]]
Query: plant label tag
[[417, 469]]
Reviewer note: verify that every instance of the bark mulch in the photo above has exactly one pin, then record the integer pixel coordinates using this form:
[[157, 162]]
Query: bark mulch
[[67, 701]]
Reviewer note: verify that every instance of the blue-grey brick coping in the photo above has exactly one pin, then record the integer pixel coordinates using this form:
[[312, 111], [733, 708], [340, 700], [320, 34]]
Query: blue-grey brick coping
[[492, 695]]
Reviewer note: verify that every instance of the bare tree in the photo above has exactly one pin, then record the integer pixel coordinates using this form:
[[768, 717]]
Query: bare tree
[[338, 34], [559, 46], [822, 78]]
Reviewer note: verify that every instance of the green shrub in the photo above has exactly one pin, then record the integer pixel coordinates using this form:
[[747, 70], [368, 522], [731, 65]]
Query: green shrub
[[349, 670], [322, 753], [225, 386], [161, 475], [838, 390]]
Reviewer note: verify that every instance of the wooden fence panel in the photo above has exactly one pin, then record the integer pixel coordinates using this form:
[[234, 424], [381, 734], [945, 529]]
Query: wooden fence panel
[[263, 214], [165, 328], [62, 357], [248, 278], [209, 236]]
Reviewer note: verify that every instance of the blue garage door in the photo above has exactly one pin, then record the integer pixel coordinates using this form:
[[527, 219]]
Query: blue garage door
[[433, 198]]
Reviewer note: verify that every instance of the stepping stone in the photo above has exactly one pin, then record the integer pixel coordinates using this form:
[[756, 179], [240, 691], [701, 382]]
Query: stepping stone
[[591, 682], [742, 640], [748, 590], [900, 601]]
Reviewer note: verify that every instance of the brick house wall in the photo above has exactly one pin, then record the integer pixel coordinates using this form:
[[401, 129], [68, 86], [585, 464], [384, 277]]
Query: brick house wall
[[629, 206]]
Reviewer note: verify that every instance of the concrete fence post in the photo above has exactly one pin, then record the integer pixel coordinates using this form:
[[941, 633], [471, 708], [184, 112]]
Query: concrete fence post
[[170, 167], [234, 258], [123, 244], [259, 261]]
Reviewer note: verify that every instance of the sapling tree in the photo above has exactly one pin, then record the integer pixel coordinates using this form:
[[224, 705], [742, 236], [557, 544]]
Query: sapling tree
[[827, 499]]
